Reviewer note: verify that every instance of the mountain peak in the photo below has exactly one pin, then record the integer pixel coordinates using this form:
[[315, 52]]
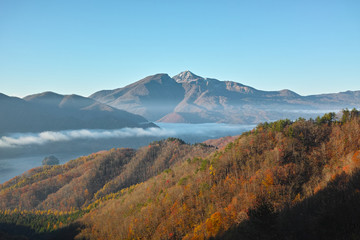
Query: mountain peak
[[160, 77], [288, 93], [186, 76], [44, 95]]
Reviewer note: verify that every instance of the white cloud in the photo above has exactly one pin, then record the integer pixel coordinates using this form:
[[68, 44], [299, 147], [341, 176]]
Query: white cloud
[[166, 130], [18, 140]]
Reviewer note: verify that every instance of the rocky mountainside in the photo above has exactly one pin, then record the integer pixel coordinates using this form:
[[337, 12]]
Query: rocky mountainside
[[189, 98], [50, 111]]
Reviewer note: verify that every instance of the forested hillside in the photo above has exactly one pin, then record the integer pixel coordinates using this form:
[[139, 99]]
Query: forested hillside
[[282, 180]]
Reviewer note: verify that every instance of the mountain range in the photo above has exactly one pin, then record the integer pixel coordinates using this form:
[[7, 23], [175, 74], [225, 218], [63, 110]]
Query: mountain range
[[189, 98], [183, 98], [51, 111]]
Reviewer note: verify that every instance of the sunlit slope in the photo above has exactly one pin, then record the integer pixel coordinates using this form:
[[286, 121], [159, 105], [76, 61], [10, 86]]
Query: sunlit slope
[[255, 188], [283, 180], [86, 179]]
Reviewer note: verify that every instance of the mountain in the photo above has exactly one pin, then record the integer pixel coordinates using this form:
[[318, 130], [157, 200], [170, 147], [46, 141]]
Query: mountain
[[51, 111], [152, 97], [189, 98], [282, 180]]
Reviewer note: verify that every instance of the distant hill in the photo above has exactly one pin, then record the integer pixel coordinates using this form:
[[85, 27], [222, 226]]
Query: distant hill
[[51, 111], [189, 98]]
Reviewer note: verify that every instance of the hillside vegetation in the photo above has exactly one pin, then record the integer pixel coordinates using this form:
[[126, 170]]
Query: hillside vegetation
[[282, 180]]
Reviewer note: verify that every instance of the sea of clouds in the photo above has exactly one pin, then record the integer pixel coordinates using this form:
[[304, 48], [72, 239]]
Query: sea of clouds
[[166, 130], [20, 152]]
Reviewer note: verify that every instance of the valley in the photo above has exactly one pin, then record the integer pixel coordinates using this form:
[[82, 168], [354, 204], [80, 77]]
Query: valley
[[179, 120], [185, 157], [254, 186]]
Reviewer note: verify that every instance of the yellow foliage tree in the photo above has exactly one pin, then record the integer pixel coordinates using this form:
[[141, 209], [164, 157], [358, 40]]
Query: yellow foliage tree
[[214, 224]]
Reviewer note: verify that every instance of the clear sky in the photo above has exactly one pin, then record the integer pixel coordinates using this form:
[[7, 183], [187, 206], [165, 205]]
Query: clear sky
[[82, 46]]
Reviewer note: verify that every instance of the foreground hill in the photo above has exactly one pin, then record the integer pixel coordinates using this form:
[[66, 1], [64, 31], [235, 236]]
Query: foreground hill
[[283, 180], [51, 111], [189, 98], [86, 179], [255, 188]]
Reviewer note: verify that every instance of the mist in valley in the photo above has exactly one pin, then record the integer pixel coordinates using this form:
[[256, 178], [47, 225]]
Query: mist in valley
[[23, 151]]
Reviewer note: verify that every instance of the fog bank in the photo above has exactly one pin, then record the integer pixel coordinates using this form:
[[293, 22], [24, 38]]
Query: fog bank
[[21, 152], [207, 130], [23, 139]]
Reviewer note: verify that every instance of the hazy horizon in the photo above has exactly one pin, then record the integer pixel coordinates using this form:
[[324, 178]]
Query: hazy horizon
[[71, 93]]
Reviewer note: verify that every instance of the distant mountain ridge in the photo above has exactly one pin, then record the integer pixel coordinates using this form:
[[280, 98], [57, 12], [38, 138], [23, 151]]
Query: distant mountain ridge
[[145, 96], [190, 98], [50, 111]]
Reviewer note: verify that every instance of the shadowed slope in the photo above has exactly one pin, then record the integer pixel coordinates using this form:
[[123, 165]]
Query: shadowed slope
[[50, 111]]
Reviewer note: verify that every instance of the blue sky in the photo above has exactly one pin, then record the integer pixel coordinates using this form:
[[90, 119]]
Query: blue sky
[[83, 46]]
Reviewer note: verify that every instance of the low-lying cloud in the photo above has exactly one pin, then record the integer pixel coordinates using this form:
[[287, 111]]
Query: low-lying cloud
[[166, 130], [18, 140]]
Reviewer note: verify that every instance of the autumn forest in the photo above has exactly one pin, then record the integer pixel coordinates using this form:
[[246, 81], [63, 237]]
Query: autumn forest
[[282, 180]]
